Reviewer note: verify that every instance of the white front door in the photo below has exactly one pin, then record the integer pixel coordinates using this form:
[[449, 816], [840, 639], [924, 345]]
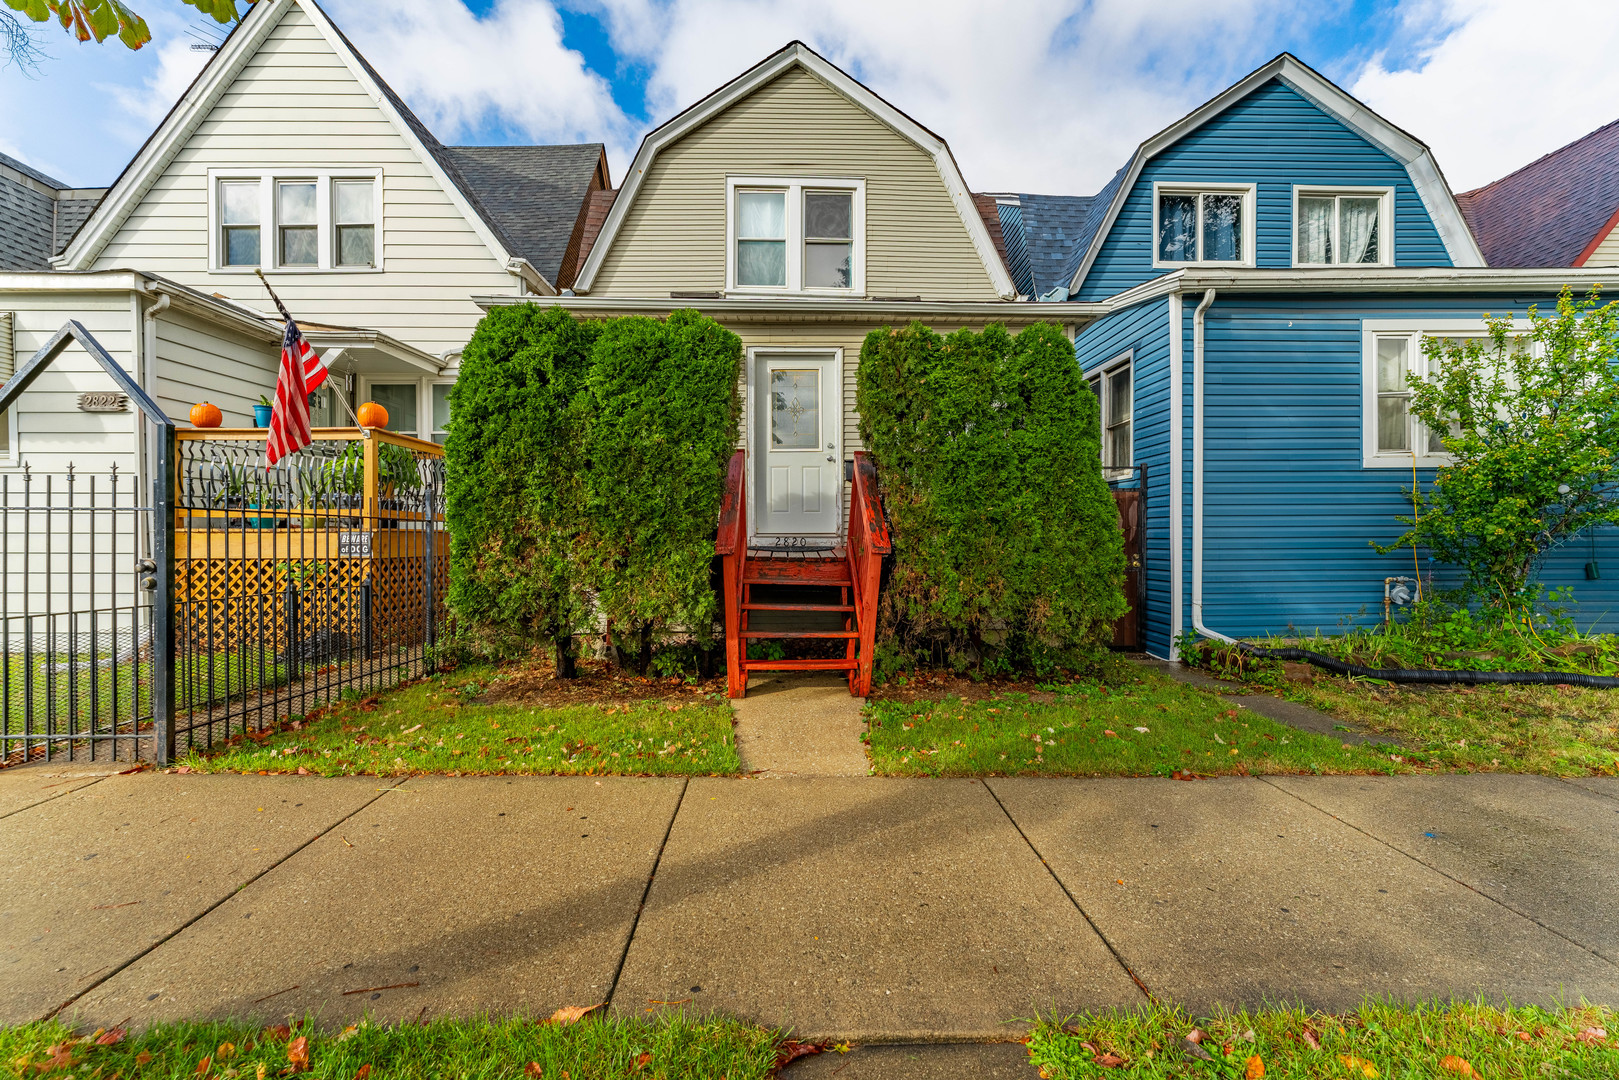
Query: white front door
[[796, 448]]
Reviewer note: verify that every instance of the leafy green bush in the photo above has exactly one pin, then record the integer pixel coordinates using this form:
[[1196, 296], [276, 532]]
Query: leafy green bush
[[585, 468], [663, 423], [515, 497], [987, 450]]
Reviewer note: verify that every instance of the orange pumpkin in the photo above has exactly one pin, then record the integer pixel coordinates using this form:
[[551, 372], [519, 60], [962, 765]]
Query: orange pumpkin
[[206, 414], [372, 415]]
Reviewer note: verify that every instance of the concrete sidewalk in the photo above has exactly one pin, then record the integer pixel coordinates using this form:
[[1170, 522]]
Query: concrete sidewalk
[[878, 910]]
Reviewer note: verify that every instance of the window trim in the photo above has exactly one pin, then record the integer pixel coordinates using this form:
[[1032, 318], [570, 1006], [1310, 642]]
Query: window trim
[[268, 177], [1385, 223], [1097, 377], [795, 186], [1371, 331], [1249, 193]]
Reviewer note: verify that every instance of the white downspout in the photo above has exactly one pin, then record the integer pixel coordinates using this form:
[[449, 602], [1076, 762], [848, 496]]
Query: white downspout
[[1177, 469], [1197, 469]]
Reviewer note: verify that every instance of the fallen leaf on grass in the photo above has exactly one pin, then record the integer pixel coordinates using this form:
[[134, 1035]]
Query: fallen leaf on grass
[[643, 1061], [1591, 1035], [1255, 1069], [1144, 731], [1109, 731], [1459, 1066], [1361, 1065], [116, 1035], [1109, 1060], [226, 1049], [364, 1072], [203, 1065], [61, 1057], [142, 1058], [533, 1069], [1312, 1039], [791, 1050], [571, 1014], [298, 1053]]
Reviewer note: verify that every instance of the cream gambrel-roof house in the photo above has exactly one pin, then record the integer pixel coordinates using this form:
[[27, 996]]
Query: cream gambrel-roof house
[[802, 211], [289, 154]]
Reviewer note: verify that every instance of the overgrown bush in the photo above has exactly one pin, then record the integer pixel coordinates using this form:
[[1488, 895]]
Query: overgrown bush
[[1006, 538], [663, 423], [586, 464]]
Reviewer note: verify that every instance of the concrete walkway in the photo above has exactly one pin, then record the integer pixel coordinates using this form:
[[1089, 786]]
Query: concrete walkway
[[800, 724], [877, 910]]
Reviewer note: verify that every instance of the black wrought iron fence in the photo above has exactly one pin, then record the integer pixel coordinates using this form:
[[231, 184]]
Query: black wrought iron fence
[[296, 584]]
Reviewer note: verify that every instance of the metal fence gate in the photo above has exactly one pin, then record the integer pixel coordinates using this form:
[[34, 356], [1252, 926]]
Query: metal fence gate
[[225, 598]]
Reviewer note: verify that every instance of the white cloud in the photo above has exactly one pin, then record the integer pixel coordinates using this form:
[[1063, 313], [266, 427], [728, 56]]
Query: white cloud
[[1500, 83], [177, 66], [461, 73], [1032, 97]]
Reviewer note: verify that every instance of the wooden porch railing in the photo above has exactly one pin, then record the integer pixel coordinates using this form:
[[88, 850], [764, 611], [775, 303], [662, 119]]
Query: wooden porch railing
[[867, 544], [732, 545]]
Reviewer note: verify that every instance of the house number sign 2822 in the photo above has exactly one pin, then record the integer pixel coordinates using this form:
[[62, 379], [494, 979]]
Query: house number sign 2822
[[104, 401]]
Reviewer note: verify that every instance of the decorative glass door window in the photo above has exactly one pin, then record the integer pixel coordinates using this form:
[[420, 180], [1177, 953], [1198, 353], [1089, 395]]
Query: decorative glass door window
[[354, 218], [828, 239], [1340, 229], [1203, 227], [239, 223], [298, 224], [795, 409], [761, 245]]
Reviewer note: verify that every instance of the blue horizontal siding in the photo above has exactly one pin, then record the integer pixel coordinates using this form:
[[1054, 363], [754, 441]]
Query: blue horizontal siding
[[1274, 138]]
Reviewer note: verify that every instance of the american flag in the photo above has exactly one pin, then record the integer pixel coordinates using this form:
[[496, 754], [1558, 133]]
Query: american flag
[[289, 417]]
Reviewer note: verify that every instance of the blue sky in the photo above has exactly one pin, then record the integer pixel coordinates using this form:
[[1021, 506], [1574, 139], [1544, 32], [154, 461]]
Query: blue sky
[[1033, 97]]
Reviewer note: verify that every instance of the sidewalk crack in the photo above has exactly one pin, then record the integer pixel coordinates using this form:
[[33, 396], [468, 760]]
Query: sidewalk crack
[[646, 891], [1447, 876], [1072, 899], [205, 912]]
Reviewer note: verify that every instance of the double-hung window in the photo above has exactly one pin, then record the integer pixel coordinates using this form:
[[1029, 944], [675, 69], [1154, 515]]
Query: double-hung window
[[1210, 225], [1115, 399], [792, 235], [1351, 227], [294, 220], [1394, 357]]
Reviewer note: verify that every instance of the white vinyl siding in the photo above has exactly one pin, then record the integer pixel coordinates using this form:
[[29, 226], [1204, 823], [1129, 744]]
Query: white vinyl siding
[[294, 106], [674, 236], [198, 362]]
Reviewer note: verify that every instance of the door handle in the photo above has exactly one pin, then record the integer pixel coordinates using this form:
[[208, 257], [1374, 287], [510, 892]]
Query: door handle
[[829, 457]]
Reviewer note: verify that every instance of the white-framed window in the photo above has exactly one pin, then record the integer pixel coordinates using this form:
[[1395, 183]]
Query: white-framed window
[[294, 220], [418, 407], [1343, 226], [1114, 387], [795, 235], [1202, 224], [1392, 358]]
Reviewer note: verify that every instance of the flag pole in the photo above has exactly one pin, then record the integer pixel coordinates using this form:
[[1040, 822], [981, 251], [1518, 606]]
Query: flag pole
[[287, 315]]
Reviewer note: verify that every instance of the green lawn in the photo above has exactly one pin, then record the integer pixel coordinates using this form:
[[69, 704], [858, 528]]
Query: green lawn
[[673, 1045], [432, 726], [1090, 728], [1376, 1041], [94, 683]]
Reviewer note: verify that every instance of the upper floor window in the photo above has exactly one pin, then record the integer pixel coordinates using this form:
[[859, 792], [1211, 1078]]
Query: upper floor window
[[1349, 227], [796, 235], [1203, 224], [294, 221]]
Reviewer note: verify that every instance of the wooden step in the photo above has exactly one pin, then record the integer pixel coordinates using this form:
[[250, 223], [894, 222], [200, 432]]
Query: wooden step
[[796, 572], [797, 607], [787, 635], [848, 664]]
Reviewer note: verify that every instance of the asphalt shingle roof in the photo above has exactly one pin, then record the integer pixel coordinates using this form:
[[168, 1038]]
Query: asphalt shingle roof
[[535, 192], [35, 224], [1052, 225], [1548, 212], [1093, 225]]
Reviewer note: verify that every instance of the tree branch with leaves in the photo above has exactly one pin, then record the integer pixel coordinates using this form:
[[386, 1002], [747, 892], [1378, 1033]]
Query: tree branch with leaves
[[92, 19]]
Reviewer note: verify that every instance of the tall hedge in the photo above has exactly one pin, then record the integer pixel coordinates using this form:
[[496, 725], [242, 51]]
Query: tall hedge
[[987, 450], [514, 466], [663, 425], [586, 465]]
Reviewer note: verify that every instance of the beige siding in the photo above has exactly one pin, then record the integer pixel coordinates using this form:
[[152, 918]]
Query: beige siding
[[1607, 252], [197, 362], [296, 104], [673, 238]]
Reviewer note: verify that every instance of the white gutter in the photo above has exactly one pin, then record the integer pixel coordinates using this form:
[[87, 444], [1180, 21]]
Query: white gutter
[[1197, 469], [1177, 467]]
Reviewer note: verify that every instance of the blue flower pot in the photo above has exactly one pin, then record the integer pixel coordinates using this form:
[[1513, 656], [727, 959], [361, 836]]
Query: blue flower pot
[[261, 415]]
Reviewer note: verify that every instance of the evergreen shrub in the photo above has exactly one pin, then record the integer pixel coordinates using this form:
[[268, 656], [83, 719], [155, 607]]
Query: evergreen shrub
[[586, 465], [987, 449]]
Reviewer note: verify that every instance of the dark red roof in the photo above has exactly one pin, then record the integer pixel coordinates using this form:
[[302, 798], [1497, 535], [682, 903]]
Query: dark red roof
[[1552, 211]]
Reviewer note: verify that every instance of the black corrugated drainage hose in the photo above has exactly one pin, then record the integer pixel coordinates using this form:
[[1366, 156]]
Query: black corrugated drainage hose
[[1419, 675]]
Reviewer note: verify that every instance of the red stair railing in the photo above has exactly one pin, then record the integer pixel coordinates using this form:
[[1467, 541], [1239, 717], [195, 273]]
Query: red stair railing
[[868, 543], [732, 544]]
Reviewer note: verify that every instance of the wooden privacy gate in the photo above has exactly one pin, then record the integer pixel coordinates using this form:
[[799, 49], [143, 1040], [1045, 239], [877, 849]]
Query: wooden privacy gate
[[1128, 629]]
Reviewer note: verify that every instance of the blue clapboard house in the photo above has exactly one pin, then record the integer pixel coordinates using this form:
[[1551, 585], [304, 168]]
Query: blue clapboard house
[[1269, 265]]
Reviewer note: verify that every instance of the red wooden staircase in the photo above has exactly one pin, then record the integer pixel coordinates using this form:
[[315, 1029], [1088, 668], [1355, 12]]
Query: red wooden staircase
[[830, 595]]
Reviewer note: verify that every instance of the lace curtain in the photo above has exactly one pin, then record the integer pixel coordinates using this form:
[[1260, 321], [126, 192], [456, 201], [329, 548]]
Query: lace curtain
[[1315, 230], [1357, 230]]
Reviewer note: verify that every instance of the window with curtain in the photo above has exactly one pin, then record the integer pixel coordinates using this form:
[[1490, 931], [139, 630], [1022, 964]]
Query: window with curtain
[[796, 234], [1341, 229], [295, 219], [298, 224], [761, 239], [1112, 387], [1203, 226], [239, 223]]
